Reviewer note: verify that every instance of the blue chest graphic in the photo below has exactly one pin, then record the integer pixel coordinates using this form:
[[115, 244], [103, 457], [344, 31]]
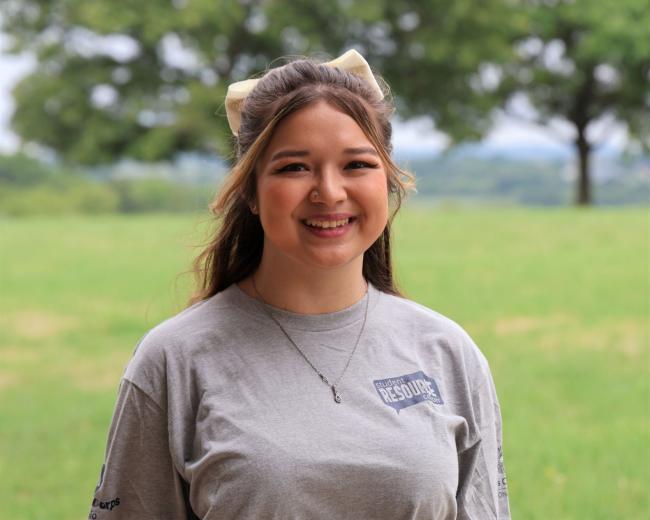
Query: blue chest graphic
[[404, 391]]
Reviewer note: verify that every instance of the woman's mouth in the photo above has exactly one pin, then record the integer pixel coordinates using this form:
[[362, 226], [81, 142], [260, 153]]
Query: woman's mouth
[[327, 224], [328, 228]]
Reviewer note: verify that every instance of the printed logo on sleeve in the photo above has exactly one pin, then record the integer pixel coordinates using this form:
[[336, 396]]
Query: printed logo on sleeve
[[404, 391], [107, 505], [502, 484]]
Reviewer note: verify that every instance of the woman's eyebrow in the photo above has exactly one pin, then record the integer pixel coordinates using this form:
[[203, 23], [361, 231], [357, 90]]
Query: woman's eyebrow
[[289, 153], [362, 149], [303, 153]]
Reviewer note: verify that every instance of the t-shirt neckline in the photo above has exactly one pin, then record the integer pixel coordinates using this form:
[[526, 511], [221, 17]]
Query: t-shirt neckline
[[307, 322]]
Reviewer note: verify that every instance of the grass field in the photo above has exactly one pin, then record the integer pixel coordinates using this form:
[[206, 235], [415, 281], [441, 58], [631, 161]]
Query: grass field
[[556, 299]]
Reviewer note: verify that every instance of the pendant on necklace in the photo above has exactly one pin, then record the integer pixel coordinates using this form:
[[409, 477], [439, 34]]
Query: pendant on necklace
[[337, 397]]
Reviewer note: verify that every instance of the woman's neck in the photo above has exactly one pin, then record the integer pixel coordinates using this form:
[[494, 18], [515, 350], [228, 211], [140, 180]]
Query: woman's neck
[[307, 291]]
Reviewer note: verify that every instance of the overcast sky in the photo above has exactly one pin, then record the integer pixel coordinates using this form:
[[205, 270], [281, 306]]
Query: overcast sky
[[507, 133]]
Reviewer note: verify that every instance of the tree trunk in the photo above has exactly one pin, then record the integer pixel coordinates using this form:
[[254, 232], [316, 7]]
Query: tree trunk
[[583, 193]]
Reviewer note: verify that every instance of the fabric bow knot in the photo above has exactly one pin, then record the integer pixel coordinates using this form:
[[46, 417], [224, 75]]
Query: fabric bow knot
[[350, 61]]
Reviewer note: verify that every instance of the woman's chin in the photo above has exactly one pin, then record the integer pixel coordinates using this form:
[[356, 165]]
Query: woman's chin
[[333, 260]]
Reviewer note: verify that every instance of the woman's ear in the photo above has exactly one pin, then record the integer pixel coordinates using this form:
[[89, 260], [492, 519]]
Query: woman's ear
[[253, 207]]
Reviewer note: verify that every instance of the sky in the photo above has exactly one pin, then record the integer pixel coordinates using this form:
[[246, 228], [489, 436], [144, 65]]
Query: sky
[[420, 134]]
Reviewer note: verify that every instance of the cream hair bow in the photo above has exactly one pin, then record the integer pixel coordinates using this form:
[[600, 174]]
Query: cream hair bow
[[351, 61]]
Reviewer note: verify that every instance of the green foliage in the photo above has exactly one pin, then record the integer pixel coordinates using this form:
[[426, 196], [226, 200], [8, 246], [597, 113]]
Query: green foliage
[[628, 188], [498, 179], [146, 195], [80, 197], [583, 63], [540, 182], [556, 299], [159, 95], [580, 61], [147, 79], [20, 170], [436, 54], [28, 187]]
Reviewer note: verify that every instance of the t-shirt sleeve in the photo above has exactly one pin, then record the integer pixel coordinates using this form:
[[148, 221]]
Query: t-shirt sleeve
[[482, 491], [138, 479]]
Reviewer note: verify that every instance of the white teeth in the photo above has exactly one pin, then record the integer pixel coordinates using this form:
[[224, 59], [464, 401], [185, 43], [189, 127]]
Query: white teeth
[[325, 224]]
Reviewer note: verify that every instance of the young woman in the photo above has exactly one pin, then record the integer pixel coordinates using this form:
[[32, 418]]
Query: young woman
[[299, 384]]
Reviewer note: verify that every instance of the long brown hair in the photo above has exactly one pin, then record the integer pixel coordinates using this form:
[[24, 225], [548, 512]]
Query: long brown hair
[[235, 250]]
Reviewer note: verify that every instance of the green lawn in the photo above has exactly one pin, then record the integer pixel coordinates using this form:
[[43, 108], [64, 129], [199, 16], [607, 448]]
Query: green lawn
[[557, 300]]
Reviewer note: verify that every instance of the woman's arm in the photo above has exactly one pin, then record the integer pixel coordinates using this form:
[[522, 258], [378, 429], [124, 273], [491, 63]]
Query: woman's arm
[[138, 479], [482, 491]]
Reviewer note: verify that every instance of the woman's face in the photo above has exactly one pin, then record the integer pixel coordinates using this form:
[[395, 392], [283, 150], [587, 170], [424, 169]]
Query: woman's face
[[322, 192]]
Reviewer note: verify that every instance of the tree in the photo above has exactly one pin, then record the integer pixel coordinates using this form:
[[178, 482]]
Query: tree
[[147, 79], [144, 79], [585, 63], [580, 62], [440, 57]]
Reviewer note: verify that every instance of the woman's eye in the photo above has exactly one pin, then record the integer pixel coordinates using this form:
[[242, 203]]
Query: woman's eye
[[354, 165], [293, 167]]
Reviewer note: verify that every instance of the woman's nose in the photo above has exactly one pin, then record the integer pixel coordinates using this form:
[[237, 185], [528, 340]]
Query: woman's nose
[[329, 189]]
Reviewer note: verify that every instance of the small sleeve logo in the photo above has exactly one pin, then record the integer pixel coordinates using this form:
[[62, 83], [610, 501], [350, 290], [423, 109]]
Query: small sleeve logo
[[100, 504], [404, 391]]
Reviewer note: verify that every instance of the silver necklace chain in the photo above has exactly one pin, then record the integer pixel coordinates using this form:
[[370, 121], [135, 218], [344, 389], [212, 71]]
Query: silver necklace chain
[[334, 385]]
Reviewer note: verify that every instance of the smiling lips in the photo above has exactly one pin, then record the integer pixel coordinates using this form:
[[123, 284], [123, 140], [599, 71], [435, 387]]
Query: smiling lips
[[325, 224], [329, 226]]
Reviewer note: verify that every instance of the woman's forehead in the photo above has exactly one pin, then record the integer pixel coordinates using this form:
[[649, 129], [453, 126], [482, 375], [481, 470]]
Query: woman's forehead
[[318, 125]]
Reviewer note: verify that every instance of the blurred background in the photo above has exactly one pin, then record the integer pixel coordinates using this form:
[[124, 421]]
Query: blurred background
[[527, 124]]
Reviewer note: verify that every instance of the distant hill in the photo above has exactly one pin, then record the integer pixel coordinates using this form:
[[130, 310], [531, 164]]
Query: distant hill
[[526, 176], [467, 174]]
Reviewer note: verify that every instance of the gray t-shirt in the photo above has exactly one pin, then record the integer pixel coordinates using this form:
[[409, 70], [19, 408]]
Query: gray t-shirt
[[219, 417]]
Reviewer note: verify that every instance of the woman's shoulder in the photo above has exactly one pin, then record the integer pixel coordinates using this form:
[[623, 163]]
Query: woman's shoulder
[[421, 324], [193, 322], [204, 325], [402, 310]]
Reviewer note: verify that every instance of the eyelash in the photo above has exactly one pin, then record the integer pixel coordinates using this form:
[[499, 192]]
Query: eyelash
[[363, 164], [291, 168], [359, 165]]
